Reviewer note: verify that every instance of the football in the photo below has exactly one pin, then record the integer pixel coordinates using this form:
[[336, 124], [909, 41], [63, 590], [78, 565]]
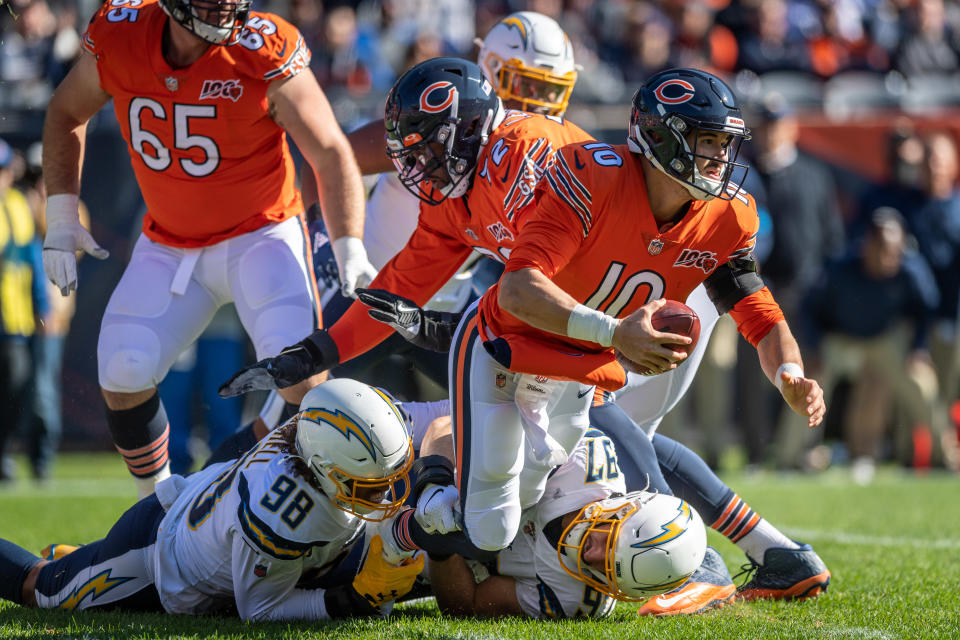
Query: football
[[673, 317]]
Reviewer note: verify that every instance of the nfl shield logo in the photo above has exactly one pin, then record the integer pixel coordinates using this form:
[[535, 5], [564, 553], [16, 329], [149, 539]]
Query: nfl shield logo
[[501, 380], [655, 246], [171, 83]]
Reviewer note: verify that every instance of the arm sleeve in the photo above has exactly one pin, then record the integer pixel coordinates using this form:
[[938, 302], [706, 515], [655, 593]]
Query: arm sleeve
[[756, 314], [417, 272], [272, 596]]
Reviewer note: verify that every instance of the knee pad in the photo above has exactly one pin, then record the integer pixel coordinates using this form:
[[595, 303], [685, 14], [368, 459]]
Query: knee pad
[[128, 358], [492, 529]]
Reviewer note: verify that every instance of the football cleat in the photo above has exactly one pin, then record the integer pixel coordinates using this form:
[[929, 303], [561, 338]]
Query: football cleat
[[55, 551], [785, 574], [709, 587]]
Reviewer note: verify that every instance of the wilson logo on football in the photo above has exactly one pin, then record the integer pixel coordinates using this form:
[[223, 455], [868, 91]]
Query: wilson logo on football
[[213, 89], [438, 97], [674, 91], [706, 260]]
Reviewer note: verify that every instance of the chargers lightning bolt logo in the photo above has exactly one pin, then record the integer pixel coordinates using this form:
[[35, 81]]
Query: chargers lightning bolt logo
[[517, 24], [671, 530], [342, 423], [97, 585]]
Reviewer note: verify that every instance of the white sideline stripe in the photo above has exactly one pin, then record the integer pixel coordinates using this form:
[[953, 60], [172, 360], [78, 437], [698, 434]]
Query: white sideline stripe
[[876, 541]]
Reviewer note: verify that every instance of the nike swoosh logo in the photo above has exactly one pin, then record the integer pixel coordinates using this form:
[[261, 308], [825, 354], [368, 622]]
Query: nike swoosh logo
[[576, 161], [580, 394], [284, 49], [506, 174], [667, 602]]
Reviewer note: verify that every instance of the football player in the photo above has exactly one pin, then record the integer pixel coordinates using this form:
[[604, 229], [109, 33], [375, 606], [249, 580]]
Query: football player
[[585, 545], [712, 120], [779, 567], [205, 93], [249, 533]]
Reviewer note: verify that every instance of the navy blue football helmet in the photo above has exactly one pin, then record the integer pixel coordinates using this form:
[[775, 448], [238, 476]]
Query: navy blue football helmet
[[438, 118], [670, 111]]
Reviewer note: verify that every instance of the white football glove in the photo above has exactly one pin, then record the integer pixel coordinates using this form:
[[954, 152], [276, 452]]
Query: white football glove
[[438, 509], [65, 236], [353, 264]]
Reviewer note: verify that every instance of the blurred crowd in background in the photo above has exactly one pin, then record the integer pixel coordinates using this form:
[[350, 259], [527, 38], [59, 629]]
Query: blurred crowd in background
[[855, 111]]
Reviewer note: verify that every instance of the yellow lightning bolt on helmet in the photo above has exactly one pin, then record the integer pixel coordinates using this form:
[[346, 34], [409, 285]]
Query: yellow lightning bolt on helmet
[[355, 441], [528, 59]]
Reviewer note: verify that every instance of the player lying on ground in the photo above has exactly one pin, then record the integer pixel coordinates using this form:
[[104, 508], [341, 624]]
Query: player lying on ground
[[254, 535]]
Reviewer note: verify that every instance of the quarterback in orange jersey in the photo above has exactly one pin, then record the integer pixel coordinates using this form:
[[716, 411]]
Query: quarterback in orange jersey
[[205, 93]]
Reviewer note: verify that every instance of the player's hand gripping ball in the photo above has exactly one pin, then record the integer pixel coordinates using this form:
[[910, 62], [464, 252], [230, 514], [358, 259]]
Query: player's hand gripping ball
[[673, 317]]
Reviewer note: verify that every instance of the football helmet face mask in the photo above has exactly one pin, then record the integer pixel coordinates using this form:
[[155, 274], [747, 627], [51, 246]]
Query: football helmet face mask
[[355, 441], [216, 21], [529, 60], [673, 113], [651, 543], [438, 119]]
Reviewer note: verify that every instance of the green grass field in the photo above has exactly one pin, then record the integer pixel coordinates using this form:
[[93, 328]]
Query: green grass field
[[893, 549]]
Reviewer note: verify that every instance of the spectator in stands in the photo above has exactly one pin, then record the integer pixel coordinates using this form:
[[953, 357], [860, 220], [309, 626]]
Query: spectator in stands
[[868, 318], [901, 188], [769, 44], [349, 56], [698, 41], [32, 60], [935, 221], [930, 45], [22, 298], [801, 197]]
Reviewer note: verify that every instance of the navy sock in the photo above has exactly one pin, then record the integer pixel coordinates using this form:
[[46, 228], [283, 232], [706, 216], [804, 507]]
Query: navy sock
[[141, 435], [691, 478], [635, 454], [15, 564]]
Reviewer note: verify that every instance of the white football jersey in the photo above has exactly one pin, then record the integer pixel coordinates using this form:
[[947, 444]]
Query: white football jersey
[[544, 589], [392, 214], [244, 532]]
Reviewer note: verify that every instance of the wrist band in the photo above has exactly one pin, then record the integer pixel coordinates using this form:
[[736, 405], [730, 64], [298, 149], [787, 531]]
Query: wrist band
[[792, 368], [63, 207], [589, 324]]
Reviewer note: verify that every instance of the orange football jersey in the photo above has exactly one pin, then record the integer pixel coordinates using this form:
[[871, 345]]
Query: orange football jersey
[[210, 162], [592, 232], [485, 219]]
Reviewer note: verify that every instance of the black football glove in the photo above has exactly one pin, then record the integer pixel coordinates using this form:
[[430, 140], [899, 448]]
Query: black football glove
[[316, 353], [431, 330]]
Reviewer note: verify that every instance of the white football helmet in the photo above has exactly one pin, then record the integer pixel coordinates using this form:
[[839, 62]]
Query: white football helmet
[[355, 441], [653, 542], [528, 59]]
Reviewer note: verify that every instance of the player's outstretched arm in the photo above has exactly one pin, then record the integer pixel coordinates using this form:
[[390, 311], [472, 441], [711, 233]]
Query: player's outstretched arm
[[74, 102], [431, 330], [314, 354], [299, 105], [781, 361]]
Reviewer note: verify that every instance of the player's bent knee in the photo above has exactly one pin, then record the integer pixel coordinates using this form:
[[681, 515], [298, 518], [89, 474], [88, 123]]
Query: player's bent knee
[[128, 358], [492, 531], [279, 327]]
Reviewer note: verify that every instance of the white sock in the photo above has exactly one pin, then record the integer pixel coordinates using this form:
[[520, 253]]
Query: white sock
[[145, 485], [764, 536]]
